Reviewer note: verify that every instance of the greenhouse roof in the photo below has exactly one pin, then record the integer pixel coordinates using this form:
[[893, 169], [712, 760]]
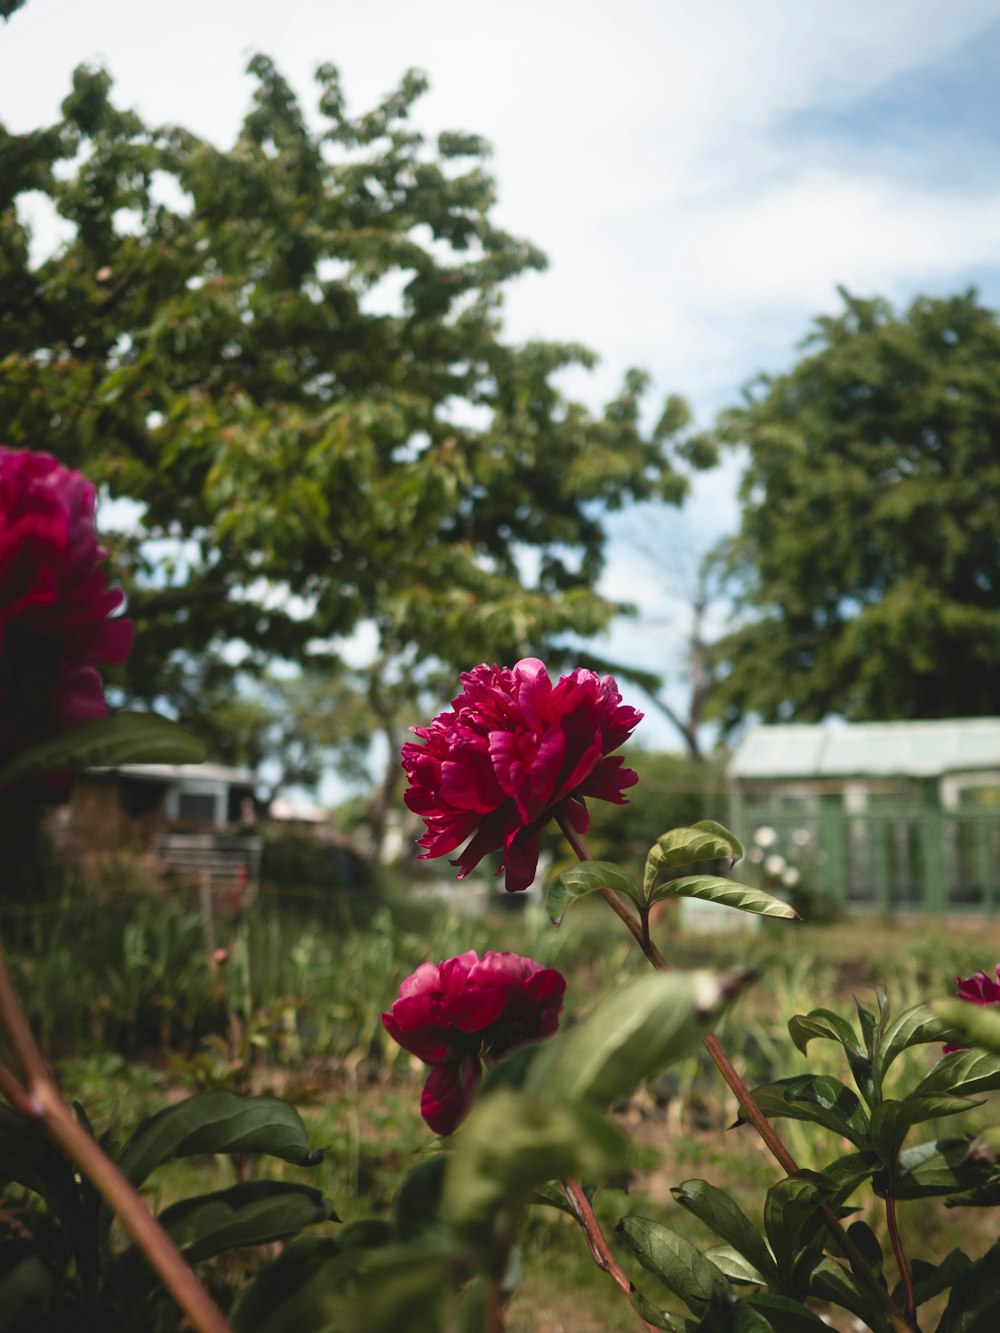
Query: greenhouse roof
[[868, 749]]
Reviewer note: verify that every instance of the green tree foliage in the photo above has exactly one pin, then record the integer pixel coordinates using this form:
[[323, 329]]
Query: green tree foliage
[[289, 356], [867, 562]]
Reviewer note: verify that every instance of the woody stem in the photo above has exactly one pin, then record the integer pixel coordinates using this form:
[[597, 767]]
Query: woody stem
[[743, 1095]]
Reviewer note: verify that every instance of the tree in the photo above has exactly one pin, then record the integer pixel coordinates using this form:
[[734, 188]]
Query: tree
[[289, 356], [867, 563]]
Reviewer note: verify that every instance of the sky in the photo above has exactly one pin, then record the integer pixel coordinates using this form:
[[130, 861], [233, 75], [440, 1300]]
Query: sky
[[701, 175]]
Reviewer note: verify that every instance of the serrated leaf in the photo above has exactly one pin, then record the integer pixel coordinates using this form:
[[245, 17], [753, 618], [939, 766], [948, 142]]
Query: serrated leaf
[[705, 841], [632, 1034], [962, 1073], [892, 1120], [218, 1122], [587, 877], [723, 1216], [914, 1027], [727, 893], [119, 738], [674, 1260], [816, 1097], [974, 1024]]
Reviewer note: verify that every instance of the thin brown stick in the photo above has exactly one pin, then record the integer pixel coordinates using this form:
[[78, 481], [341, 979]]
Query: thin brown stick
[[751, 1111], [41, 1101], [600, 1250]]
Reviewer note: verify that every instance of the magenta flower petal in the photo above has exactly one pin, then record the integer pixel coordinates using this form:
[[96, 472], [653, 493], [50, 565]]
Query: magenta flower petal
[[462, 1012], [448, 1093], [512, 750], [54, 602], [980, 988]]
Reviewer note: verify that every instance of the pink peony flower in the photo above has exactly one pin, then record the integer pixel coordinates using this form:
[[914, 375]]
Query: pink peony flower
[[514, 750], [55, 602], [977, 989], [459, 1013]]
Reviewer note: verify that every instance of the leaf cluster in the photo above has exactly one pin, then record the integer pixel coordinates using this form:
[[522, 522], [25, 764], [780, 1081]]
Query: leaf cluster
[[288, 355], [760, 1278]]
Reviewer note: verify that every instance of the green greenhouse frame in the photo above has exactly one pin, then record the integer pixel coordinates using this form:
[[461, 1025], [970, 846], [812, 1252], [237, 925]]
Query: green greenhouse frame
[[875, 816]]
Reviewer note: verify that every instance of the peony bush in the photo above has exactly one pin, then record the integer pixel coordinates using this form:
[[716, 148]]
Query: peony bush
[[517, 1108]]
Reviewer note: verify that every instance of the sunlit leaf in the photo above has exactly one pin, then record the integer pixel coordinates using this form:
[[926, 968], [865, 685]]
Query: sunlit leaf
[[218, 1121], [587, 877], [726, 892], [705, 841]]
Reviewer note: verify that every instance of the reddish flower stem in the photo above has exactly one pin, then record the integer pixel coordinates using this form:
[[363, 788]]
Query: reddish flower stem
[[599, 1248], [906, 1277], [42, 1103], [640, 932]]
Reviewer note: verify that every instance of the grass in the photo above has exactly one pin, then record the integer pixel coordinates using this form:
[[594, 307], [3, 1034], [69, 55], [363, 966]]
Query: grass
[[307, 992]]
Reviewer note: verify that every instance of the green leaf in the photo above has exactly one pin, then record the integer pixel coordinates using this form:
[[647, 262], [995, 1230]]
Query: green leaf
[[652, 1314], [736, 1268], [816, 1097], [962, 1073], [975, 1024], [587, 877], [791, 1209], [291, 1292], [727, 1220], [218, 1122], [634, 1033], [869, 1026], [28, 1295], [803, 1028], [829, 1281], [674, 1260], [929, 1280], [251, 1213], [726, 892], [418, 1203], [867, 1245], [892, 1120], [511, 1144], [705, 841], [784, 1314], [119, 738], [914, 1027], [940, 1166], [845, 1174], [974, 1304], [824, 1023], [985, 1147], [391, 1288]]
